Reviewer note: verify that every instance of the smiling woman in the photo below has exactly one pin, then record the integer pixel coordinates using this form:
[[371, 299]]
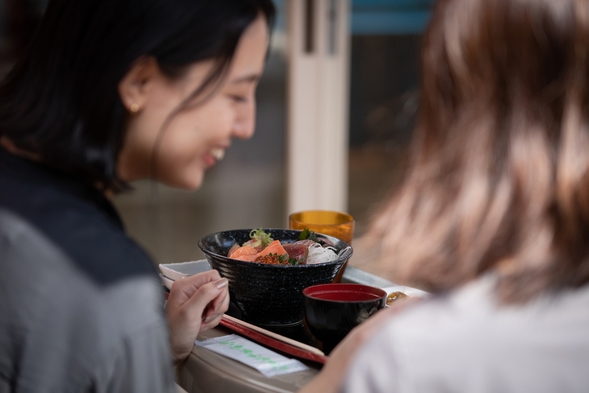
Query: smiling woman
[[111, 91], [174, 134], [66, 101]]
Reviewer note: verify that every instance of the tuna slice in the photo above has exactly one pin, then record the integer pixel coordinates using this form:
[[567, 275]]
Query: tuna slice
[[298, 252]]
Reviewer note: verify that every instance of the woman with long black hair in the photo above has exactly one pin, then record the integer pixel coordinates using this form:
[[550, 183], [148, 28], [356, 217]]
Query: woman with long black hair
[[108, 92]]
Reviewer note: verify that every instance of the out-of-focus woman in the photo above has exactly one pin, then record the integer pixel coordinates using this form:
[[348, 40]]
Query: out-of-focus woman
[[492, 216]]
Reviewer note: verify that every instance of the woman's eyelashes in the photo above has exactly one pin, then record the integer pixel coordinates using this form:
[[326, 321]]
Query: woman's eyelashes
[[239, 98], [243, 95]]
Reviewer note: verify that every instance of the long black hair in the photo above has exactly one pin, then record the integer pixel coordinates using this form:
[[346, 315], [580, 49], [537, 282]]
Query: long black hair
[[61, 101]]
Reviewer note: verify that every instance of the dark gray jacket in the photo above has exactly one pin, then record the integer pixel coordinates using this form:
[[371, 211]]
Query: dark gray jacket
[[81, 308]]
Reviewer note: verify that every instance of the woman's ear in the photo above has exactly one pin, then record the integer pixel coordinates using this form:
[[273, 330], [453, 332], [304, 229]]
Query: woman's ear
[[135, 87]]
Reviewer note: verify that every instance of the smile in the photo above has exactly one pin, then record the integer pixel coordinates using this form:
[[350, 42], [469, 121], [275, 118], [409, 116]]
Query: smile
[[218, 153]]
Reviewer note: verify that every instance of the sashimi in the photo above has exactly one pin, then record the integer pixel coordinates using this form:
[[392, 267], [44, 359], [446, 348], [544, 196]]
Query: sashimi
[[262, 248], [244, 253], [273, 248], [298, 251]]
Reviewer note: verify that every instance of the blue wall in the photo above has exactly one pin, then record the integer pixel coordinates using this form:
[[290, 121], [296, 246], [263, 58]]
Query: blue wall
[[390, 17]]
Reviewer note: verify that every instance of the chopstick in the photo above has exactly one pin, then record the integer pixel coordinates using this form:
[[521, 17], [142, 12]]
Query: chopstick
[[275, 336]]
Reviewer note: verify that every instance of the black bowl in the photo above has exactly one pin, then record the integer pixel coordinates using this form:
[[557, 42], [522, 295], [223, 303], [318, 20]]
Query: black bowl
[[332, 310], [269, 294]]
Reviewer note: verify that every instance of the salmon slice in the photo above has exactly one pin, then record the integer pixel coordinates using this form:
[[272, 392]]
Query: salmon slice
[[233, 248], [273, 248], [247, 258], [245, 253]]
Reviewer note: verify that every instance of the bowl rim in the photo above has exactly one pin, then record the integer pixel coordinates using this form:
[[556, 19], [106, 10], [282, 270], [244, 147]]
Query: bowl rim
[[343, 287], [345, 257]]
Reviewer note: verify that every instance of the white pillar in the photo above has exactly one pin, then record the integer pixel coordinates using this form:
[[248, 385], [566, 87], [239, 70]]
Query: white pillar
[[318, 97]]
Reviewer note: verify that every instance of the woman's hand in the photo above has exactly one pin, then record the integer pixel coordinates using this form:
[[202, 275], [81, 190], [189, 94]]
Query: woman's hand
[[195, 304]]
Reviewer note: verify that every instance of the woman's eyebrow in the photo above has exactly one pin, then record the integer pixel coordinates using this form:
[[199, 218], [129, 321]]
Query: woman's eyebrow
[[250, 78]]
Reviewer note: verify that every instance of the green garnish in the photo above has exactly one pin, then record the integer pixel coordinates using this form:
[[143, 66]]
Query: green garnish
[[259, 238], [284, 259], [308, 234]]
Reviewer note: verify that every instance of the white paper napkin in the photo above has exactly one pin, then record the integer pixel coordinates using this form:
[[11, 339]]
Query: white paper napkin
[[253, 355]]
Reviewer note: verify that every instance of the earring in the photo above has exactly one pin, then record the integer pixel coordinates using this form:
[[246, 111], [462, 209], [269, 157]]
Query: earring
[[134, 108]]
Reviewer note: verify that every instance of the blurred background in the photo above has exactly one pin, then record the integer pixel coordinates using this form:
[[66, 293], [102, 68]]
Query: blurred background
[[248, 188]]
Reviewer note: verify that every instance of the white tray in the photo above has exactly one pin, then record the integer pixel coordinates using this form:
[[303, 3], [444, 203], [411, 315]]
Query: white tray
[[175, 271]]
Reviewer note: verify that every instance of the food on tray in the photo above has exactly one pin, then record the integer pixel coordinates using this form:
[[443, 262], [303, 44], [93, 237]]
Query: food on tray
[[262, 248], [395, 296]]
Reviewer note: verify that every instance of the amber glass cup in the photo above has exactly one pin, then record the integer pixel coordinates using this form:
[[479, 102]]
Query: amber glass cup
[[332, 223]]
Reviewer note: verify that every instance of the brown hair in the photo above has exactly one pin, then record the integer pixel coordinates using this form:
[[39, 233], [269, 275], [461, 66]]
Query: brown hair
[[498, 178]]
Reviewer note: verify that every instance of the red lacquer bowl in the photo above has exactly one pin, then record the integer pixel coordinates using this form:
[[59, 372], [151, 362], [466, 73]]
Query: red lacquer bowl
[[332, 310]]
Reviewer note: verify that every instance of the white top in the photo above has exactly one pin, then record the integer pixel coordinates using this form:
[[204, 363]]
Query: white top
[[464, 342]]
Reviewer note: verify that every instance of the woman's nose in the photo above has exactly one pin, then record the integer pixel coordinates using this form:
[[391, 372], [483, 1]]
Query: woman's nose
[[245, 124]]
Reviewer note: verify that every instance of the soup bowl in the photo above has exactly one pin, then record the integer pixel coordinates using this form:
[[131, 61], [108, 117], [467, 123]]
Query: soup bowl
[[331, 311], [269, 295]]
